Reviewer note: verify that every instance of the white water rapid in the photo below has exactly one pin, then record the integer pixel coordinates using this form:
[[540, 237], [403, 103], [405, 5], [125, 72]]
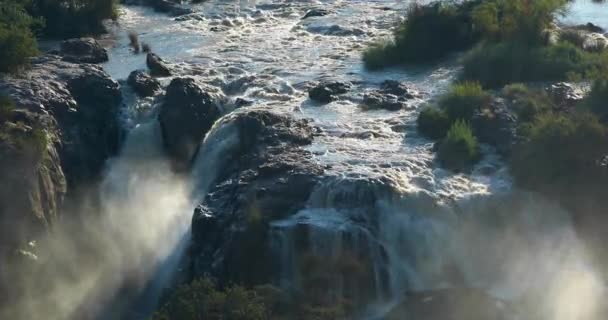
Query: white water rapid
[[420, 226]]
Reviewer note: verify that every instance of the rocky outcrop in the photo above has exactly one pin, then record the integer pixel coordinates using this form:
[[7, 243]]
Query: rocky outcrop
[[189, 110], [496, 125], [317, 12], [328, 91], [585, 37], [33, 185], [83, 100], [83, 50], [391, 96], [64, 127], [157, 66], [267, 177], [457, 304], [565, 95], [143, 84]]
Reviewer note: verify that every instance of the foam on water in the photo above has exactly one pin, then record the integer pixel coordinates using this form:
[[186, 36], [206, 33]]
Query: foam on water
[[430, 228]]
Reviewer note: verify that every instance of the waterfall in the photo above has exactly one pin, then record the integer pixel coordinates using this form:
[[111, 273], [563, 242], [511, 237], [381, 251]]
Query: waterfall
[[126, 249], [515, 246]]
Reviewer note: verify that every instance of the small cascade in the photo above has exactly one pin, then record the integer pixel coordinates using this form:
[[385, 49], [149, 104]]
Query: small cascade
[[511, 245]]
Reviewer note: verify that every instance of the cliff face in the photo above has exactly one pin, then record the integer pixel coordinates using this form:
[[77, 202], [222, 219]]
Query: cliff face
[[64, 126]]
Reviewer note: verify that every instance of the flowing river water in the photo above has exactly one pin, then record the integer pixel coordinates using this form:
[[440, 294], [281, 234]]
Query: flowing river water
[[429, 220]]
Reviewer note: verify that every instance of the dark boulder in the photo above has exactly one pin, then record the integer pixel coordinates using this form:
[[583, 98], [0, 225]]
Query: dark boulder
[[328, 91], [496, 126], [591, 27], [187, 114], [157, 66], [392, 96], [316, 13], [83, 50], [378, 100], [398, 89], [64, 127], [83, 100], [143, 84], [268, 175]]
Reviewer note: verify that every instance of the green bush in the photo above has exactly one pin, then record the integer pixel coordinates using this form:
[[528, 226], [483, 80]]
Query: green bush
[[463, 99], [17, 42], [429, 32], [559, 152], [6, 109], [521, 21], [74, 18], [201, 299], [597, 100], [459, 149], [527, 104], [433, 123], [495, 65]]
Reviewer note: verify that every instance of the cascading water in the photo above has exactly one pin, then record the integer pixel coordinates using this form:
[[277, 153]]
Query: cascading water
[[419, 228], [114, 261]]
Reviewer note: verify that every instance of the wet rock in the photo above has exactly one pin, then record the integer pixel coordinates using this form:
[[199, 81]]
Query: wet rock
[[456, 303], [377, 100], [590, 27], [188, 112], [584, 39], [68, 115], [335, 30], [392, 96], [241, 102], [496, 126], [328, 91], [84, 101], [398, 89], [157, 66], [143, 84], [316, 13], [83, 50], [33, 184], [565, 95], [267, 176]]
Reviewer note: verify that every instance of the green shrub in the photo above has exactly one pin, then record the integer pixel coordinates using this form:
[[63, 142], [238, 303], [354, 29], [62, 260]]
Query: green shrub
[[527, 104], [433, 123], [17, 42], [521, 21], [74, 18], [495, 65], [559, 152], [7, 106], [429, 32], [463, 99], [597, 99], [200, 299], [380, 54], [459, 149]]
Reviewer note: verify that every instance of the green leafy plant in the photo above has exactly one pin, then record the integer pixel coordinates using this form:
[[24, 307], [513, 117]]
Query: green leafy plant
[[459, 149], [433, 123], [463, 99], [17, 41], [559, 152]]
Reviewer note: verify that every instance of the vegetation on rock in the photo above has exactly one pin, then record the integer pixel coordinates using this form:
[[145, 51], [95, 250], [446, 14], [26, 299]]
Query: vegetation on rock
[[498, 64], [17, 41], [560, 152], [429, 32], [459, 149], [22, 20], [433, 123]]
